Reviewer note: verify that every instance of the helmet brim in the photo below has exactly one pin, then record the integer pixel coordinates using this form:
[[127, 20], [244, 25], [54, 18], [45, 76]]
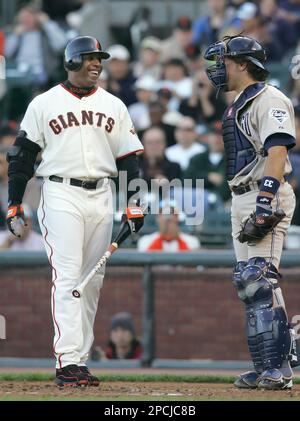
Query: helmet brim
[[103, 54]]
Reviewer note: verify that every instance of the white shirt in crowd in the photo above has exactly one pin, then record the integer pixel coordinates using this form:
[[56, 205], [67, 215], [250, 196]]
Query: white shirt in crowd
[[176, 153], [189, 242]]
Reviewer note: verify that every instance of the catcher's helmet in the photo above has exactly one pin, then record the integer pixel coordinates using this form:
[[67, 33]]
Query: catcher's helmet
[[79, 46], [233, 47]]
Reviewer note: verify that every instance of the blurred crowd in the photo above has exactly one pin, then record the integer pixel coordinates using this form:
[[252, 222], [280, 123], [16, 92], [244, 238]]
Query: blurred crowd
[[162, 81]]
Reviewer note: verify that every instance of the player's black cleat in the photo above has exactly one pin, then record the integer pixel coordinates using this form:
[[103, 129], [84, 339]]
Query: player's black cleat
[[71, 376], [248, 380], [93, 380]]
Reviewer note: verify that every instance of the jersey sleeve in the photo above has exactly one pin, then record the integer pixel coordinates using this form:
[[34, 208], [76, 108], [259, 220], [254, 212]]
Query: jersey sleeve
[[32, 123], [274, 115], [129, 142]]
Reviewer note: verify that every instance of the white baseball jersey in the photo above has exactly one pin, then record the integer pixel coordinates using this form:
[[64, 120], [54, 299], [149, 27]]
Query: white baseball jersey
[[80, 138]]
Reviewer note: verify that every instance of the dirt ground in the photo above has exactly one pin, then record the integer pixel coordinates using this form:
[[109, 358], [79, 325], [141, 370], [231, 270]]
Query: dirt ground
[[140, 391]]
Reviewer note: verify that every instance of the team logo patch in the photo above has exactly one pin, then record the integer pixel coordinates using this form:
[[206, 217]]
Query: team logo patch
[[279, 115]]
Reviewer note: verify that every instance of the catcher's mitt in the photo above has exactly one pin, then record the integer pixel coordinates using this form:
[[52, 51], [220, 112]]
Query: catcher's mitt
[[256, 227]]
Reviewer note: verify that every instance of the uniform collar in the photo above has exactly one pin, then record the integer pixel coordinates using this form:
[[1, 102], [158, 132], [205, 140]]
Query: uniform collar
[[79, 92]]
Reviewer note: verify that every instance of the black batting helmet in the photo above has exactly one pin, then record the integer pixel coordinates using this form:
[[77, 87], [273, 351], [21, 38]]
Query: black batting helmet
[[233, 47], [77, 47]]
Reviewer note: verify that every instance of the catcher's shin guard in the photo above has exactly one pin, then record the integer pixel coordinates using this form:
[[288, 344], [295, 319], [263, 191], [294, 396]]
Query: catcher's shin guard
[[268, 332], [252, 342]]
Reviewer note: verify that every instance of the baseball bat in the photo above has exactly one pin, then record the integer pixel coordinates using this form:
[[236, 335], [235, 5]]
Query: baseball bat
[[124, 232]]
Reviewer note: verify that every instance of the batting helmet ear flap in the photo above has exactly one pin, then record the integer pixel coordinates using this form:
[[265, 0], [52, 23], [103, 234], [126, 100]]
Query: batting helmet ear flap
[[74, 64]]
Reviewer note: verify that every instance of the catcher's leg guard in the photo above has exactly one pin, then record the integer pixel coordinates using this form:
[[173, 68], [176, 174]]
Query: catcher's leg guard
[[268, 333], [252, 342], [248, 380]]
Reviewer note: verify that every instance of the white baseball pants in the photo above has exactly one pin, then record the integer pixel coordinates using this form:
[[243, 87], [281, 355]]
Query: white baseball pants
[[76, 225]]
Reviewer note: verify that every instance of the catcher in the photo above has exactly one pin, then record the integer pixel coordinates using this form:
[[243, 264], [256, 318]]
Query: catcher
[[258, 131]]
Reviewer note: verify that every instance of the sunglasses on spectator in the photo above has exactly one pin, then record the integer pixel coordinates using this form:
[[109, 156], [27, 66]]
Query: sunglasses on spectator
[[186, 129]]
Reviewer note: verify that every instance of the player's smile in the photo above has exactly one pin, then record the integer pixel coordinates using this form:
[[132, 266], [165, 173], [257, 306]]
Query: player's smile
[[92, 67], [89, 73]]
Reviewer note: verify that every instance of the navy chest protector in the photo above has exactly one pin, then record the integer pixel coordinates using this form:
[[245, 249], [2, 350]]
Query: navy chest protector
[[240, 152]]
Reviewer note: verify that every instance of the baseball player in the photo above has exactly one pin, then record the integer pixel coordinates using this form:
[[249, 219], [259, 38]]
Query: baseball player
[[86, 136], [258, 131]]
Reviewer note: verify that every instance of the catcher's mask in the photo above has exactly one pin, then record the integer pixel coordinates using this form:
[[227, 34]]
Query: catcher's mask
[[232, 47]]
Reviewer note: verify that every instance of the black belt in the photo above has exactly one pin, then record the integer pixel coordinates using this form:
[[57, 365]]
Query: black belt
[[89, 185], [244, 188]]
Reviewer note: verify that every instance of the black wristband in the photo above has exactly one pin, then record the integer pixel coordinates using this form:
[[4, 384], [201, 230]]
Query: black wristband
[[270, 185]]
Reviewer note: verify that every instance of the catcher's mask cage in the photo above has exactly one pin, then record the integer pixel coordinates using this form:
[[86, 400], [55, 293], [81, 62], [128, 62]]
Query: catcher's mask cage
[[77, 47], [232, 47]]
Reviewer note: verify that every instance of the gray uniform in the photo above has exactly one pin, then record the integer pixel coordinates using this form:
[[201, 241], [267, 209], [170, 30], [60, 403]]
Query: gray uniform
[[269, 112]]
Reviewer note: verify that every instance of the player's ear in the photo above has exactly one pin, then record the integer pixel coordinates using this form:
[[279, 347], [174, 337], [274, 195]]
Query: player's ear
[[243, 66]]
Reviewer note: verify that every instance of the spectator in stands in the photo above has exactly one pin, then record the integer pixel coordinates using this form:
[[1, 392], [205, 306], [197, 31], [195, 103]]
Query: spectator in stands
[[174, 46], [33, 52], [164, 95], [30, 241], [154, 164], [123, 343], [3, 179], [7, 135], [34, 45], [206, 29], [176, 78], [195, 60], [202, 105], [93, 18], [120, 77], [211, 165], [187, 145], [2, 217], [282, 32], [157, 111], [3, 202], [148, 63], [289, 10], [33, 190], [264, 24], [169, 238], [294, 178], [139, 111]]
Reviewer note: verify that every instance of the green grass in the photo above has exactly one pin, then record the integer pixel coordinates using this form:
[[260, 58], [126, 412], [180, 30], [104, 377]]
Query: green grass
[[107, 377], [134, 377]]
